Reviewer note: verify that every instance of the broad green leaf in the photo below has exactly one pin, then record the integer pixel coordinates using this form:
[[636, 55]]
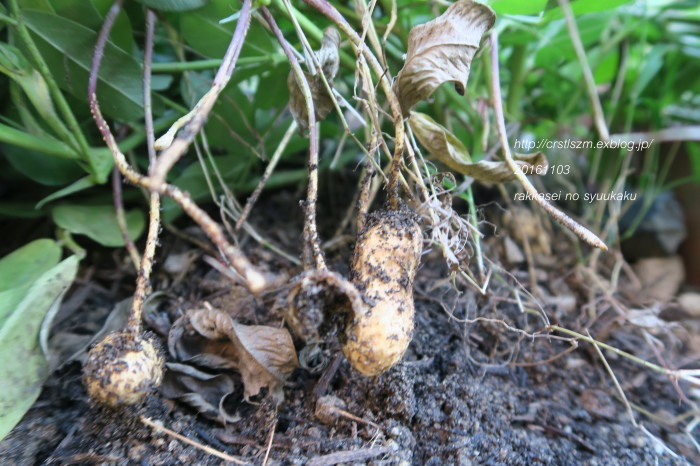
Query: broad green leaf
[[42, 168], [441, 51], [174, 5], [90, 13], [23, 365], [518, 7], [21, 268], [98, 222], [272, 91], [67, 48], [26, 264], [445, 147], [40, 5]]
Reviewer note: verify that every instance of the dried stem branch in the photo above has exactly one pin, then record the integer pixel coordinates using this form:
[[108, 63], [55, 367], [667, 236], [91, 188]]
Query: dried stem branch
[[144, 276], [598, 115], [271, 165], [618, 387], [361, 48], [311, 238], [121, 219], [193, 122], [581, 231], [254, 279], [689, 375], [194, 443]]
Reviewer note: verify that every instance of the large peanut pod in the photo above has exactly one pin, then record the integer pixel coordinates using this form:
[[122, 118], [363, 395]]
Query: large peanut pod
[[384, 264]]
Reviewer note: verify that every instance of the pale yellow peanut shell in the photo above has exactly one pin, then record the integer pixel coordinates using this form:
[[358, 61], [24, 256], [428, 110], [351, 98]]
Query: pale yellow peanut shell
[[387, 255], [122, 369]]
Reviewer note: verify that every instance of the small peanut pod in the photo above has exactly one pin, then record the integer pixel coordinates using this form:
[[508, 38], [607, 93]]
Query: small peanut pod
[[122, 369], [387, 255]]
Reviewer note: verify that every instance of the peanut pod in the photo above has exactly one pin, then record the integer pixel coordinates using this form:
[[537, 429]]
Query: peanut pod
[[384, 264]]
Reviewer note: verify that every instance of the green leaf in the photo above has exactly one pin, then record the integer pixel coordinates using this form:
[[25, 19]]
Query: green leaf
[[22, 377], [67, 48], [232, 115], [518, 7], [90, 13], [98, 222], [14, 65], [444, 146], [43, 144], [606, 70], [81, 184], [582, 7], [174, 5], [558, 46], [41, 5], [42, 168], [19, 209], [652, 63], [26, 264], [203, 32]]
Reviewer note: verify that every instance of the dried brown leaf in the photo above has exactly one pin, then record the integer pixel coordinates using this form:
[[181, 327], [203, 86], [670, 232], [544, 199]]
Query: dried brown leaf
[[329, 59], [442, 50], [204, 392], [263, 355], [444, 146]]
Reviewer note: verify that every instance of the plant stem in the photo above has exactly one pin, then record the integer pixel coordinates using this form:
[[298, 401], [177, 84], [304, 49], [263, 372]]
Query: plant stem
[[586, 69], [142, 281], [313, 30], [581, 231], [311, 238], [121, 219], [271, 165], [675, 374], [399, 132], [196, 65]]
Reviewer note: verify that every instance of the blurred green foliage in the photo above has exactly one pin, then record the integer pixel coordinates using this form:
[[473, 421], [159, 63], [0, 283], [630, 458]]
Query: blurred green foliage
[[644, 56]]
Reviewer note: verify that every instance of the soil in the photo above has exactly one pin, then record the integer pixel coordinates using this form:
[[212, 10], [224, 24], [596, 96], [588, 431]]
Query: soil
[[469, 391]]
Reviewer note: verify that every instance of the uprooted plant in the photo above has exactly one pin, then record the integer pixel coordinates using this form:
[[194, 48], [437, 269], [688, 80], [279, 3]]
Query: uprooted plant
[[374, 308]]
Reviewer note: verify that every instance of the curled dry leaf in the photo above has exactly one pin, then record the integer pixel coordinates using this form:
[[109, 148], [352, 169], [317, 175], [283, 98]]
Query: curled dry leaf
[[203, 391], [263, 355], [329, 60], [442, 50], [444, 146]]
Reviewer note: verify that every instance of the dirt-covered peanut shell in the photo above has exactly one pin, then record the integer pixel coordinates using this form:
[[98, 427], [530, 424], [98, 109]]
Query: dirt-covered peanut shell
[[384, 264], [122, 369]]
